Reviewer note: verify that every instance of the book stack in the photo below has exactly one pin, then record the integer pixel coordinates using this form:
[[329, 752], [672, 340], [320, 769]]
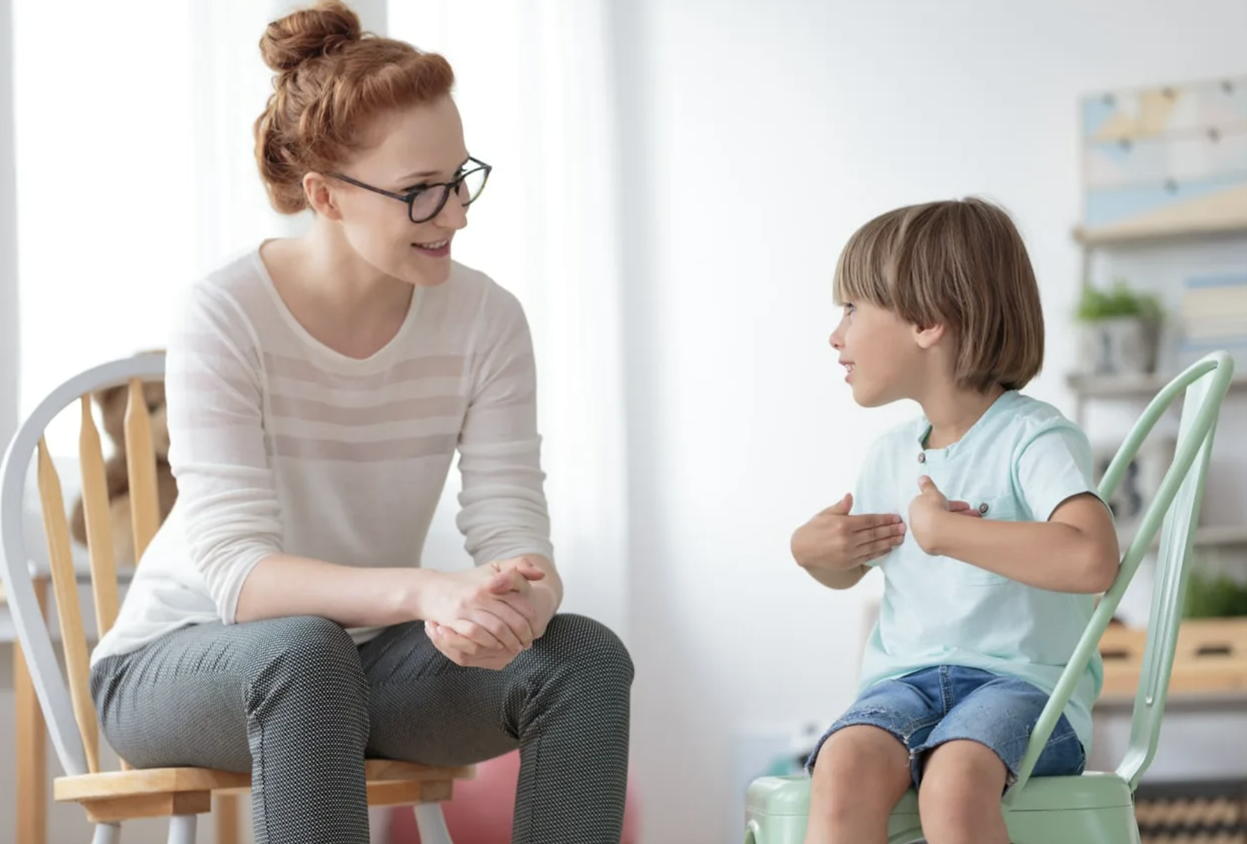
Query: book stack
[[1213, 316]]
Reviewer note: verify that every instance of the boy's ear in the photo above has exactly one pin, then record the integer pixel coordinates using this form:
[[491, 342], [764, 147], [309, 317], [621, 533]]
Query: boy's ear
[[927, 336]]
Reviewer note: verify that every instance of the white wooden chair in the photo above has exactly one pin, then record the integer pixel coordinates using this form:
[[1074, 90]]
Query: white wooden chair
[[111, 797]]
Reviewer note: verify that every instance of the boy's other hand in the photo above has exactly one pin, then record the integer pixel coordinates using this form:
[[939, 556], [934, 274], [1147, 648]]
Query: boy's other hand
[[928, 508], [836, 541]]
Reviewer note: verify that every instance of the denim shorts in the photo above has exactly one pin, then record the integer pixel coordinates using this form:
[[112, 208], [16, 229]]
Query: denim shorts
[[949, 703]]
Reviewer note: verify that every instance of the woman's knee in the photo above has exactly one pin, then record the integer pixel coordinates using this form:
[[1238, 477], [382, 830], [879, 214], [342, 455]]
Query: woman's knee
[[309, 658], [585, 651]]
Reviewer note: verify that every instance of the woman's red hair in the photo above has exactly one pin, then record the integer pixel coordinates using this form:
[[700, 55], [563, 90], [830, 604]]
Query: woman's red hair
[[332, 80]]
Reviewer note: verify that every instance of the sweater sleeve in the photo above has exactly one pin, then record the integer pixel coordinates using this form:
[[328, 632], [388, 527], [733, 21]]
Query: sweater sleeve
[[502, 504], [226, 489]]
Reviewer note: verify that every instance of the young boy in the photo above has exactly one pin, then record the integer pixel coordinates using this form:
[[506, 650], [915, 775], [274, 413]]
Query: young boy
[[982, 517]]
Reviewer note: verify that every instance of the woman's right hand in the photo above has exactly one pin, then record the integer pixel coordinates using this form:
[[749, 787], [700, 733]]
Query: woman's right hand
[[485, 613]]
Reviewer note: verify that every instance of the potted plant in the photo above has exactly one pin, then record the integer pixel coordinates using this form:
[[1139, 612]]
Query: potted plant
[[1119, 331], [1215, 596]]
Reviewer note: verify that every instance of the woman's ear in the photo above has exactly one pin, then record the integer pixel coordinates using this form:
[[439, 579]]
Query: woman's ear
[[320, 196], [928, 336]]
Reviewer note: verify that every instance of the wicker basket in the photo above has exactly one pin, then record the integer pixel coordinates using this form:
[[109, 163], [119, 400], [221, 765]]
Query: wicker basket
[[1192, 813]]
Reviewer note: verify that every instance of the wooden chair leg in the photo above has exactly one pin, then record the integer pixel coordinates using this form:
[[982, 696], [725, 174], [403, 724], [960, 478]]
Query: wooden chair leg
[[32, 760], [226, 816]]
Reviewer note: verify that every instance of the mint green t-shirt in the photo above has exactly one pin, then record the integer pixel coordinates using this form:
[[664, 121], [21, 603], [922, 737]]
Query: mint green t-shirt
[[1019, 462]]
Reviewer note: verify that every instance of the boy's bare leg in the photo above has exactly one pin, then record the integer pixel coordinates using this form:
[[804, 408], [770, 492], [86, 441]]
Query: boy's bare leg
[[960, 795], [859, 776]]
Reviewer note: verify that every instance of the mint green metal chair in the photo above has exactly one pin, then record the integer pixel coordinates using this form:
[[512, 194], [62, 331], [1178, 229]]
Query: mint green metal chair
[[1095, 808]]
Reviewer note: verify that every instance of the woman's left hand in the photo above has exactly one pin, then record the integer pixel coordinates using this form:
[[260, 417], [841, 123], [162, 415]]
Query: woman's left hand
[[461, 651]]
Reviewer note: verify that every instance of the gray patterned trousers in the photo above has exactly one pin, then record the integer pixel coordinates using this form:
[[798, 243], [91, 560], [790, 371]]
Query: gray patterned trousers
[[297, 704]]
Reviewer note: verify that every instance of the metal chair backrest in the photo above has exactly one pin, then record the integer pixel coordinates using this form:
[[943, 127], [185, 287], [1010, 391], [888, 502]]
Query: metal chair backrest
[[1174, 512], [69, 712]]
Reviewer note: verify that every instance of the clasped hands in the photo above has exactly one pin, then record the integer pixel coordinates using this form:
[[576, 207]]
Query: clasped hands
[[486, 616]]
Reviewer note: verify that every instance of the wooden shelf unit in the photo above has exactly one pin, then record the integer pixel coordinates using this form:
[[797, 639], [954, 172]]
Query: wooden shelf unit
[[1234, 223], [1210, 665], [1131, 386]]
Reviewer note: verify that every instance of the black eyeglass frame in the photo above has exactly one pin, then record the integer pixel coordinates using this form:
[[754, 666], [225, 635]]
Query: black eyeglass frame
[[446, 187]]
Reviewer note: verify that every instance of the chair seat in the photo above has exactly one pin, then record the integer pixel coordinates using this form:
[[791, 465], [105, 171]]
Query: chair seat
[[160, 792], [150, 781], [177, 780]]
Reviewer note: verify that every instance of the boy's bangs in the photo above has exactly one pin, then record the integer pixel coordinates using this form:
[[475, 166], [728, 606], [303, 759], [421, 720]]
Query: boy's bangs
[[860, 272]]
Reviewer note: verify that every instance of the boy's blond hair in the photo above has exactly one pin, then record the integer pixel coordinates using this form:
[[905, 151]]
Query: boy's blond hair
[[960, 263]]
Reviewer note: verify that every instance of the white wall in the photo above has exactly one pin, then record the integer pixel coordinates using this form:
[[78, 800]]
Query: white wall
[[760, 135]]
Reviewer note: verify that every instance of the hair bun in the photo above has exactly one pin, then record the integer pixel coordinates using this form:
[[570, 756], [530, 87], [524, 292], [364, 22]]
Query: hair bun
[[308, 34]]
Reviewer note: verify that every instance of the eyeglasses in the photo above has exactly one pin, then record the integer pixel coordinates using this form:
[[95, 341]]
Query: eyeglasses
[[427, 201]]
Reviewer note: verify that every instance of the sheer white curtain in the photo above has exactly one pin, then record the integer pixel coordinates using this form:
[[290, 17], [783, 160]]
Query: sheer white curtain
[[535, 88]]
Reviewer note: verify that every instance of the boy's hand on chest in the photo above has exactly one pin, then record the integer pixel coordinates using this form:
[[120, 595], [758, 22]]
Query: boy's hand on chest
[[929, 512]]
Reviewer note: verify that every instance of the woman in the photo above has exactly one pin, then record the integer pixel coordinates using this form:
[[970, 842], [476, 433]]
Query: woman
[[317, 390]]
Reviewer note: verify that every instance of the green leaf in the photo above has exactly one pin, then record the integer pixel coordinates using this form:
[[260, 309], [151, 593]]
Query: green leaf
[[1119, 300]]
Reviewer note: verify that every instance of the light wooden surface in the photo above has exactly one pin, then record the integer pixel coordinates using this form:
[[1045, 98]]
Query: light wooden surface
[[408, 793], [1211, 658], [176, 780], [31, 744], [228, 818], [135, 806], [161, 792], [65, 587], [141, 470], [150, 781], [95, 508]]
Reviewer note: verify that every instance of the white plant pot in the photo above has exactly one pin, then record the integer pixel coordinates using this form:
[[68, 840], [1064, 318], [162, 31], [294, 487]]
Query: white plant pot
[[1117, 346]]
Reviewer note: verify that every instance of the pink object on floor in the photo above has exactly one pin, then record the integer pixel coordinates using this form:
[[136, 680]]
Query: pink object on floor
[[480, 812]]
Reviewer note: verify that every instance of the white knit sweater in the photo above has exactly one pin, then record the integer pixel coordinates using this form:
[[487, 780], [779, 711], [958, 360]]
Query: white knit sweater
[[282, 445]]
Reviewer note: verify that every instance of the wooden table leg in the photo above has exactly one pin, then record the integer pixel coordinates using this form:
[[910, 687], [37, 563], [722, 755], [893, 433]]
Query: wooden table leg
[[226, 817], [32, 762]]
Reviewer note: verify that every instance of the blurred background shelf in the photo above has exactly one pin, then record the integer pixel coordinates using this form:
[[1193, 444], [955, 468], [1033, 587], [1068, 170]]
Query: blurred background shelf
[[1209, 666], [1235, 223], [1131, 386], [1233, 701]]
